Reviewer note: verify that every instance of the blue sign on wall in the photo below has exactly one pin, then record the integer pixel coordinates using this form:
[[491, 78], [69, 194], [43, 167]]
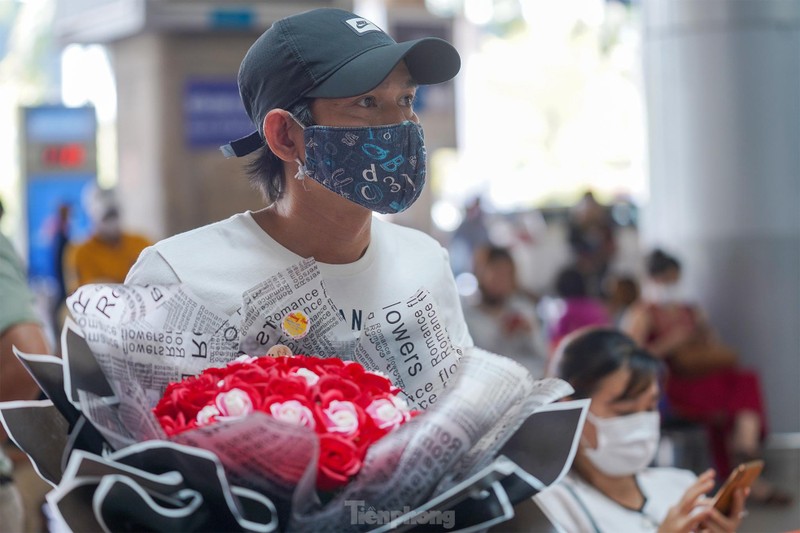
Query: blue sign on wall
[[49, 124], [213, 113], [60, 154], [45, 196]]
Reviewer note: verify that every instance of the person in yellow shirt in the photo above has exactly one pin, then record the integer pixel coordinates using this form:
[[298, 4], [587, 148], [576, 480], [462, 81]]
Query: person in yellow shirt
[[108, 254]]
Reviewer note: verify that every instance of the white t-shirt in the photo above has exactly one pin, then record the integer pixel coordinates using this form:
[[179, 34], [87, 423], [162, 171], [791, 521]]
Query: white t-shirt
[[575, 506], [221, 261], [489, 331]]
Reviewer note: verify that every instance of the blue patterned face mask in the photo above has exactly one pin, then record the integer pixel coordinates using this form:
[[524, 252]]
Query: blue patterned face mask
[[379, 167]]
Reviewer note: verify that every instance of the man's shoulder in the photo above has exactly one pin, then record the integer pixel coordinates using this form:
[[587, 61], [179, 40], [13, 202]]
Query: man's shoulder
[[206, 238], [228, 250]]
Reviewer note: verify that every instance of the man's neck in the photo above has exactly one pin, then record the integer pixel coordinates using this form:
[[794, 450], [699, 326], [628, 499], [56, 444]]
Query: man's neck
[[301, 224]]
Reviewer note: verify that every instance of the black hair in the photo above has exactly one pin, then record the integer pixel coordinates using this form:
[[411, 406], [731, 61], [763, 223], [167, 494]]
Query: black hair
[[266, 169], [624, 289], [570, 283], [659, 262], [497, 253], [593, 354], [490, 254]]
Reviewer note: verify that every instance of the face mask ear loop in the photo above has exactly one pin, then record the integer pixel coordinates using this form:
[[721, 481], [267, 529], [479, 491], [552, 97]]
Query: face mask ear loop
[[301, 168], [301, 173]]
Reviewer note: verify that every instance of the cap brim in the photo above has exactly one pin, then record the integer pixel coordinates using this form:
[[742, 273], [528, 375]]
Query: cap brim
[[429, 60]]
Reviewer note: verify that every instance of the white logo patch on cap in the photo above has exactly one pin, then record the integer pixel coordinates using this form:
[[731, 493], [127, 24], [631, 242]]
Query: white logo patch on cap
[[362, 26]]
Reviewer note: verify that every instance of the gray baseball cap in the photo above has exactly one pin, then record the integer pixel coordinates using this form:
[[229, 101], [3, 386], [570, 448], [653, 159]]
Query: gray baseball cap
[[328, 53]]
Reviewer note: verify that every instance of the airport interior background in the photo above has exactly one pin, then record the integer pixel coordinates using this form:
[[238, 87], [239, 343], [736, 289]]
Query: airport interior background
[[682, 118]]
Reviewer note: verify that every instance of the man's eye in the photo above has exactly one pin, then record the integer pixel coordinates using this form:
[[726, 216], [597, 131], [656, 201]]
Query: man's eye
[[408, 100], [367, 101]]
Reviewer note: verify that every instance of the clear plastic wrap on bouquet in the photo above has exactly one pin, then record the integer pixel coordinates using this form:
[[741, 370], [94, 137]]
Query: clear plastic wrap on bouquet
[[124, 344]]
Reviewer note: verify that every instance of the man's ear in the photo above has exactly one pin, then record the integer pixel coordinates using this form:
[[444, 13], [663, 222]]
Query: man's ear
[[284, 135]]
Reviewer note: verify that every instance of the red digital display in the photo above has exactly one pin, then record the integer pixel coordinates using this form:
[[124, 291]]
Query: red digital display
[[64, 156]]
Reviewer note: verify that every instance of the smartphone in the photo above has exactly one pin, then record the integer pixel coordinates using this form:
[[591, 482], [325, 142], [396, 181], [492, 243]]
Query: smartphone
[[742, 477]]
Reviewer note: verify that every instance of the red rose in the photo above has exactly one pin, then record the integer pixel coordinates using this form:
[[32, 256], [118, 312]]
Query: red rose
[[331, 364], [342, 418], [337, 399], [288, 386], [212, 372], [255, 393], [368, 434], [265, 362], [187, 397], [173, 424], [332, 388], [292, 411], [247, 372], [339, 460]]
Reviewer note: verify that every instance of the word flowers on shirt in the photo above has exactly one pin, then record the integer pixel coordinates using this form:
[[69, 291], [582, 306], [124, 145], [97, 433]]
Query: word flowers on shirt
[[348, 407]]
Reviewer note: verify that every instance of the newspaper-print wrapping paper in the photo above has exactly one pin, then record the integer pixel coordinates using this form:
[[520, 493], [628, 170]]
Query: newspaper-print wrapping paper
[[126, 343]]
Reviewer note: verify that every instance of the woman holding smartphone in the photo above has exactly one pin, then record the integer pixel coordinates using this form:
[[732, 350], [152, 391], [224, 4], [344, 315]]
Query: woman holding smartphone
[[610, 487]]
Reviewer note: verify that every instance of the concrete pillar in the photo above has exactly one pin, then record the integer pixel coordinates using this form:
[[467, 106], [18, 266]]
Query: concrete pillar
[[167, 185], [723, 99]]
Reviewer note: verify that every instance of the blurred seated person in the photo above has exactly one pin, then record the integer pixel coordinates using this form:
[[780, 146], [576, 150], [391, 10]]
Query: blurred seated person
[[502, 320], [19, 326], [580, 309], [623, 292], [592, 240], [471, 234], [610, 487], [704, 382], [108, 254]]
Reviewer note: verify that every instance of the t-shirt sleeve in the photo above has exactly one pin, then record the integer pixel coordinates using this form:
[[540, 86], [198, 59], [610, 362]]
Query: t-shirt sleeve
[[16, 300], [151, 269]]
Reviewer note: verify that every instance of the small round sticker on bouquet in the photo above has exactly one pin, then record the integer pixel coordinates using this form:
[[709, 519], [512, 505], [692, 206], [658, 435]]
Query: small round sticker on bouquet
[[279, 350], [295, 325]]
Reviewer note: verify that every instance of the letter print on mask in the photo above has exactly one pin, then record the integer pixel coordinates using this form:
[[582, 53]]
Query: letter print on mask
[[381, 168]]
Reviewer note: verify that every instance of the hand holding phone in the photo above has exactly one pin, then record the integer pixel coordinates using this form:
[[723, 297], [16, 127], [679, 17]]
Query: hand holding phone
[[742, 477]]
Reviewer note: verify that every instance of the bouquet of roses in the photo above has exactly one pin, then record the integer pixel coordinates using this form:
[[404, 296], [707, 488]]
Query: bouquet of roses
[[347, 406], [155, 420]]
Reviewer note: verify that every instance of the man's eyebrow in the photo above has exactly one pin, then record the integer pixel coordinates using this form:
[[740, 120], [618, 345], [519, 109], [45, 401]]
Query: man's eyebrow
[[411, 84]]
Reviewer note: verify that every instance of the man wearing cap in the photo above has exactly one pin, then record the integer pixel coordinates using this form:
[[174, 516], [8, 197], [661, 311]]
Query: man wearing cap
[[337, 139]]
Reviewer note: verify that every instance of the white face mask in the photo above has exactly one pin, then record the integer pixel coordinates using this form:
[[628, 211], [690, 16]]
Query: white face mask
[[625, 444], [664, 294]]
